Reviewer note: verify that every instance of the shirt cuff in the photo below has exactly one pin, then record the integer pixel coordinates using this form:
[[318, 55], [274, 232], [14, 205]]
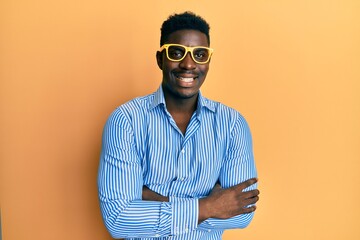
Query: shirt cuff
[[185, 213]]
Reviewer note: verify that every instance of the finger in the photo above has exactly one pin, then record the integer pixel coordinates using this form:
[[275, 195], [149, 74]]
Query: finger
[[249, 209], [251, 201], [247, 183], [250, 193]]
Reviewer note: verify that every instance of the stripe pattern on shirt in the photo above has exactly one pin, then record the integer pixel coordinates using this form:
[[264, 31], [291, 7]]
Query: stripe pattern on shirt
[[142, 145]]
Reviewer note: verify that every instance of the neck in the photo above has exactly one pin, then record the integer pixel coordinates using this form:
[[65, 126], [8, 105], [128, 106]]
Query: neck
[[181, 109], [178, 104]]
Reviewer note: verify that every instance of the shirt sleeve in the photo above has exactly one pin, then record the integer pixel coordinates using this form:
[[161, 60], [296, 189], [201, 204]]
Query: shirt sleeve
[[238, 167], [120, 183]]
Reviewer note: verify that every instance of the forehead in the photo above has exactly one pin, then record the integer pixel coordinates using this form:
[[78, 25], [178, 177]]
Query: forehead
[[188, 38]]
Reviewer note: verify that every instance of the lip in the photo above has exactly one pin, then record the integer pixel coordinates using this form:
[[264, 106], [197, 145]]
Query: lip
[[186, 80], [185, 75]]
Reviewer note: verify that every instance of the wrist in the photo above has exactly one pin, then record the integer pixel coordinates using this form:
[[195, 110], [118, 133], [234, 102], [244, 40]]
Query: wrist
[[150, 195], [204, 209], [163, 198]]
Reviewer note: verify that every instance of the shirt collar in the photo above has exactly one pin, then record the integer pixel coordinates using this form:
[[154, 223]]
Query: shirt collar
[[158, 98], [203, 102]]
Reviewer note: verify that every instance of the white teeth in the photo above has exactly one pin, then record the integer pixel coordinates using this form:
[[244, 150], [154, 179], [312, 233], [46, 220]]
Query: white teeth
[[186, 79]]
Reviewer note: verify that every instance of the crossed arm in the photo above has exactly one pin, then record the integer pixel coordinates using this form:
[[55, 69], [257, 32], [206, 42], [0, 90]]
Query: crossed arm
[[221, 203]]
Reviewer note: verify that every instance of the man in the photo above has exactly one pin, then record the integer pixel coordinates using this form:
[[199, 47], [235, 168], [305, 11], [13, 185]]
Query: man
[[174, 163]]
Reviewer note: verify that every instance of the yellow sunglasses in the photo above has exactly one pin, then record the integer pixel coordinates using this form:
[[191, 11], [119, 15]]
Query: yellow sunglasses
[[177, 52]]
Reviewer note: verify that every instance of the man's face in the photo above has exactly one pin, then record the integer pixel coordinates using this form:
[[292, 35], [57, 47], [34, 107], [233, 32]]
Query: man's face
[[183, 79]]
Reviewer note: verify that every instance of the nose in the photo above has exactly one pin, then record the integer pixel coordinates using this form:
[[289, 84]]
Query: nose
[[187, 62]]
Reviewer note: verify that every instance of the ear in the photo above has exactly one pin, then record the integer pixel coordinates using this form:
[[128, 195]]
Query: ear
[[159, 59]]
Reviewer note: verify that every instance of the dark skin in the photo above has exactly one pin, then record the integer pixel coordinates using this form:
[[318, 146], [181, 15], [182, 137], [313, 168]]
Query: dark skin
[[221, 203], [181, 101]]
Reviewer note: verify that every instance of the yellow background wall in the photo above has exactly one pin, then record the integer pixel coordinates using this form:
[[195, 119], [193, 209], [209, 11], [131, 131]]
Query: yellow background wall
[[291, 67]]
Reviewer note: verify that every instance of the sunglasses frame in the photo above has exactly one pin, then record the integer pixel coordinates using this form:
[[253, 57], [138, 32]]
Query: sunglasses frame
[[187, 49]]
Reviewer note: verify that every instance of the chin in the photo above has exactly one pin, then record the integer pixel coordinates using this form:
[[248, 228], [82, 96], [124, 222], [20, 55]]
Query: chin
[[188, 95]]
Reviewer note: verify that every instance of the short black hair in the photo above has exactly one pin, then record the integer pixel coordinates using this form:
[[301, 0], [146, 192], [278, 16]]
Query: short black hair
[[187, 20]]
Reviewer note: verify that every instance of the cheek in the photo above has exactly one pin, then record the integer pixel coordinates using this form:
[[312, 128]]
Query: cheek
[[168, 67], [204, 70]]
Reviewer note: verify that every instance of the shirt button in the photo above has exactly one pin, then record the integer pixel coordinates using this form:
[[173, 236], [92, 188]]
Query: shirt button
[[183, 151], [157, 235], [209, 230]]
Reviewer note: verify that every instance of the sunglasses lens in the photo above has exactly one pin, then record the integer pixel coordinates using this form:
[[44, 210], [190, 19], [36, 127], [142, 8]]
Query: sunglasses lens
[[176, 52], [201, 54]]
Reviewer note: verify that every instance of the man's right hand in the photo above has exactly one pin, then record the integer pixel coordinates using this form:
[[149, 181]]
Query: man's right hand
[[226, 203]]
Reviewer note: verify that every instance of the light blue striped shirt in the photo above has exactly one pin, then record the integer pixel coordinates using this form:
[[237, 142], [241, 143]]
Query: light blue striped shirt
[[142, 145]]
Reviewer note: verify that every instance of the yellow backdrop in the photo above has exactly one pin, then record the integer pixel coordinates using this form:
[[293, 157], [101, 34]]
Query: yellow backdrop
[[291, 67]]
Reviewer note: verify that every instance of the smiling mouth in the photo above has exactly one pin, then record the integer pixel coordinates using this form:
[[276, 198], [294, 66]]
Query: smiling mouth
[[187, 80], [186, 77]]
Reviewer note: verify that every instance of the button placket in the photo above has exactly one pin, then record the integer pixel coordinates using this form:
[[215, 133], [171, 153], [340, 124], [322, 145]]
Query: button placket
[[182, 164]]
